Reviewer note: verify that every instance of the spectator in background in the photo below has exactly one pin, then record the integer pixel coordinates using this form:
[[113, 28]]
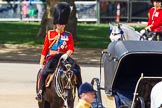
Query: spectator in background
[[25, 9], [32, 11], [39, 7]]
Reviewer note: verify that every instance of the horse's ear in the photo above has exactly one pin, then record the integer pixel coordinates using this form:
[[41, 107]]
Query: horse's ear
[[111, 26], [119, 25]]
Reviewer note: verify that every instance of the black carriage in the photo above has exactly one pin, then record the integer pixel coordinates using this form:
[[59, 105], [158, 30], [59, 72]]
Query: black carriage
[[131, 69]]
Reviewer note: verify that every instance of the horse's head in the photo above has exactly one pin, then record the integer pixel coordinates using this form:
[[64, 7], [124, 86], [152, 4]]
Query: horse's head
[[116, 32], [68, 77]]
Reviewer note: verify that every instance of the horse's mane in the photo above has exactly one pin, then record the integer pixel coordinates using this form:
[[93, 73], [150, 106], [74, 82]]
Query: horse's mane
[[127, 26], [53, 61]]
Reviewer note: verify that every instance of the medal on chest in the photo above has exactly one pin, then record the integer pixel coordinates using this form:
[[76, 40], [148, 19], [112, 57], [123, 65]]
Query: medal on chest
[[156, 14], [64, 37]]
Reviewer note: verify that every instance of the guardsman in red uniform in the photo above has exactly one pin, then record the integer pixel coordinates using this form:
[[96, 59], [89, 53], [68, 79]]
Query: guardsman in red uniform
[[56, 41], [155, 17]]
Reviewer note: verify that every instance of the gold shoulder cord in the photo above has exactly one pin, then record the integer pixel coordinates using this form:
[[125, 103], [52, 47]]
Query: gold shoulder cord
[[50, 39]]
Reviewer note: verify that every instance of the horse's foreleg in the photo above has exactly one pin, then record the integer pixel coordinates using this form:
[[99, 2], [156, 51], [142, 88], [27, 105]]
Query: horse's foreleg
[[43, 104], [46, 105], [54, 105], [71, 105]]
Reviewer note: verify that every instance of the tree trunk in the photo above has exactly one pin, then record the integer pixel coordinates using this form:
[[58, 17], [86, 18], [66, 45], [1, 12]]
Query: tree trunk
[[47, 19]]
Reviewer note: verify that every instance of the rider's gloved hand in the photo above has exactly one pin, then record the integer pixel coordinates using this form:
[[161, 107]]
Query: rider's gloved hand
[[142, 32], [40, 67], [148, 28], [64, 56]]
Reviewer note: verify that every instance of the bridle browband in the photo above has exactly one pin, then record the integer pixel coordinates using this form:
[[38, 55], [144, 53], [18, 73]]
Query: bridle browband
[[60, 90], [121, 33]]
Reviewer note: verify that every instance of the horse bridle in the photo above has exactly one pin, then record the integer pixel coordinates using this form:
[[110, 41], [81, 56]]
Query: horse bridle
[[121, 33], [60, 90]]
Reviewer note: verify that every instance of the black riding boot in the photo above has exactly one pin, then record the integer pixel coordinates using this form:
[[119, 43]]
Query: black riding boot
[[39, 96], [48, 68]]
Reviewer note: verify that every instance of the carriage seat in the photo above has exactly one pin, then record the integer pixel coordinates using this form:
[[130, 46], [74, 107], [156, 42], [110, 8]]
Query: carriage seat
[[123, 100]]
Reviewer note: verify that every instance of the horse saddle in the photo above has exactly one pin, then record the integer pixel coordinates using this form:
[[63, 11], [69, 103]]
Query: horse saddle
[[47, 81]]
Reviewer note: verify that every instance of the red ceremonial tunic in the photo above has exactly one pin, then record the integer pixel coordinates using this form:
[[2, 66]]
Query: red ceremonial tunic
[[155, 19], [54, 42]]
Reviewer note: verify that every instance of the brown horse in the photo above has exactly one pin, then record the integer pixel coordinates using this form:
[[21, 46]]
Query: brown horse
[[66, 78]]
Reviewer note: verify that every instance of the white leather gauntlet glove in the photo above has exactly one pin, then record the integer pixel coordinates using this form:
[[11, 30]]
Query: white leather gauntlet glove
[[142, 32], [64, 56], [40, 66]]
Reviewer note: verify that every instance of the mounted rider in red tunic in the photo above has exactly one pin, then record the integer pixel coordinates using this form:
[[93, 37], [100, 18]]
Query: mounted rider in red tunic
[[57, 41], [155, 17]]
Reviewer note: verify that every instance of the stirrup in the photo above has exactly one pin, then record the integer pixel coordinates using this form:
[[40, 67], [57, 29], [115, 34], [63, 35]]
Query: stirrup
[[39, 96]]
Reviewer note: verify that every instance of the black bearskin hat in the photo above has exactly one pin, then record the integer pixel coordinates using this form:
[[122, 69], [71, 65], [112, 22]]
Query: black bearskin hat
[[61, 13]]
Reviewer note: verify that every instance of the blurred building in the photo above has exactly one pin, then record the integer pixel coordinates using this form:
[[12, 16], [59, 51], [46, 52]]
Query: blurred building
[[87, 10], [130, 10]]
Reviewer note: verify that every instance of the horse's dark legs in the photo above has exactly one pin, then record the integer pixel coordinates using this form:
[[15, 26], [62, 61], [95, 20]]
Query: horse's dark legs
[[58, 104], [79, 79], [43, 104], [78, 75], [71, 100], [46, 104]]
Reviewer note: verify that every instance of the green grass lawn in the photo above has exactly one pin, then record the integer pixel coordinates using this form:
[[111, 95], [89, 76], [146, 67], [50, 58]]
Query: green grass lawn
[[19, 33], [88, 35], [92, 35]]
